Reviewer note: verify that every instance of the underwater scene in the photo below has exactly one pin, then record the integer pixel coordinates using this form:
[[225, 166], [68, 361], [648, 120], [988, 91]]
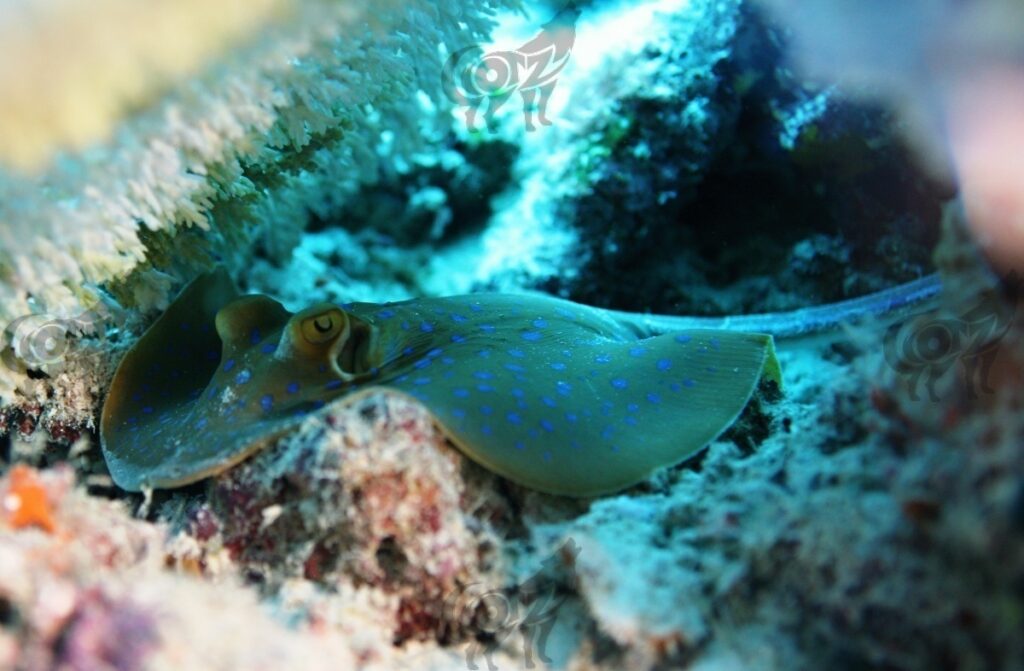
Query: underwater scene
[[511, 334]]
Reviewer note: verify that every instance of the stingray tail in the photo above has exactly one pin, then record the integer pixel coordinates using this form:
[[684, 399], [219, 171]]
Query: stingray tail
[[887, 304]]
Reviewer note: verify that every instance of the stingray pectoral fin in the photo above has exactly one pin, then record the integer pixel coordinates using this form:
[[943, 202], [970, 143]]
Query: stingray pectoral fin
[[613, 414], [171, 363]]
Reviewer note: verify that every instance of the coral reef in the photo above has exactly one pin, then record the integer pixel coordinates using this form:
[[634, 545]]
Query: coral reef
[[873, 517]]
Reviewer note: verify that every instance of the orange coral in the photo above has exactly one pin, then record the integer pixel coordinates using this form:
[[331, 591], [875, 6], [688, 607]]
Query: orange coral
[[25, 501]]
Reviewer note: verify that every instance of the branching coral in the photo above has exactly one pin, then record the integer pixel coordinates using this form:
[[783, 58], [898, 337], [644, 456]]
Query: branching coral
[[286, 121]]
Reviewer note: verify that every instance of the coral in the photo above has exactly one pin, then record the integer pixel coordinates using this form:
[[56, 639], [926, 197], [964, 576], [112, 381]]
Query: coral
[[242, 150], [115, 55], [25, 501], [710, 116]]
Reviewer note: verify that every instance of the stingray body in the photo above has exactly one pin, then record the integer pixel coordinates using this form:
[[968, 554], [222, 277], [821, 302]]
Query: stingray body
[[554, 395], [557, 396]]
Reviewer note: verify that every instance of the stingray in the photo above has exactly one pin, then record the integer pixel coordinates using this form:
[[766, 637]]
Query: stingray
[[554, 395]]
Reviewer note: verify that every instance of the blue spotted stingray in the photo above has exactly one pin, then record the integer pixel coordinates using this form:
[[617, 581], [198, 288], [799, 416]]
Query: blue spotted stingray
[[554, 395]]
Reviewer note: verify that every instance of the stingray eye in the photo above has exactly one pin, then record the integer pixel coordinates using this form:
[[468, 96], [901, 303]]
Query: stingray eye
[[322, 327]]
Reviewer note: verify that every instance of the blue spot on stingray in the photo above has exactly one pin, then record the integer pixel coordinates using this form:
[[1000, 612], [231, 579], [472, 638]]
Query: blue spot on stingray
[[653, 398], [292, 387], [228, 365], [461, 392], [664, 364], [254, 336], [269, 348], [602, 358], [547, 425], [484, 387], [486, 410], [606, 408], [421, 381], [243, 377], [715, 344], [458, 413], [483, 375], [516, 353], [683, 338], [571, 417], [521, 404], [637, 351], [548, 401], [484, 353], [386, 313], [619, 383], [201, 424], [531, 336], [213, 390], [486, 429], [133, 420], [514, 367], [475, 307], [520, 445], [487, 328], [267, 401], [675, 386], [457, 337], [148, 409], [539, 323], [632, 407], [421, 363], [562, 312], [333, 384], [712, 369], [689, 382], [518, 393], [563, 388], [404, 325], [447, 360], [558, 365], [514, 418], [532, 432], [631, 420], [457, 318], [407, 351], [434, 352], [607, 432], [427, 327]]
